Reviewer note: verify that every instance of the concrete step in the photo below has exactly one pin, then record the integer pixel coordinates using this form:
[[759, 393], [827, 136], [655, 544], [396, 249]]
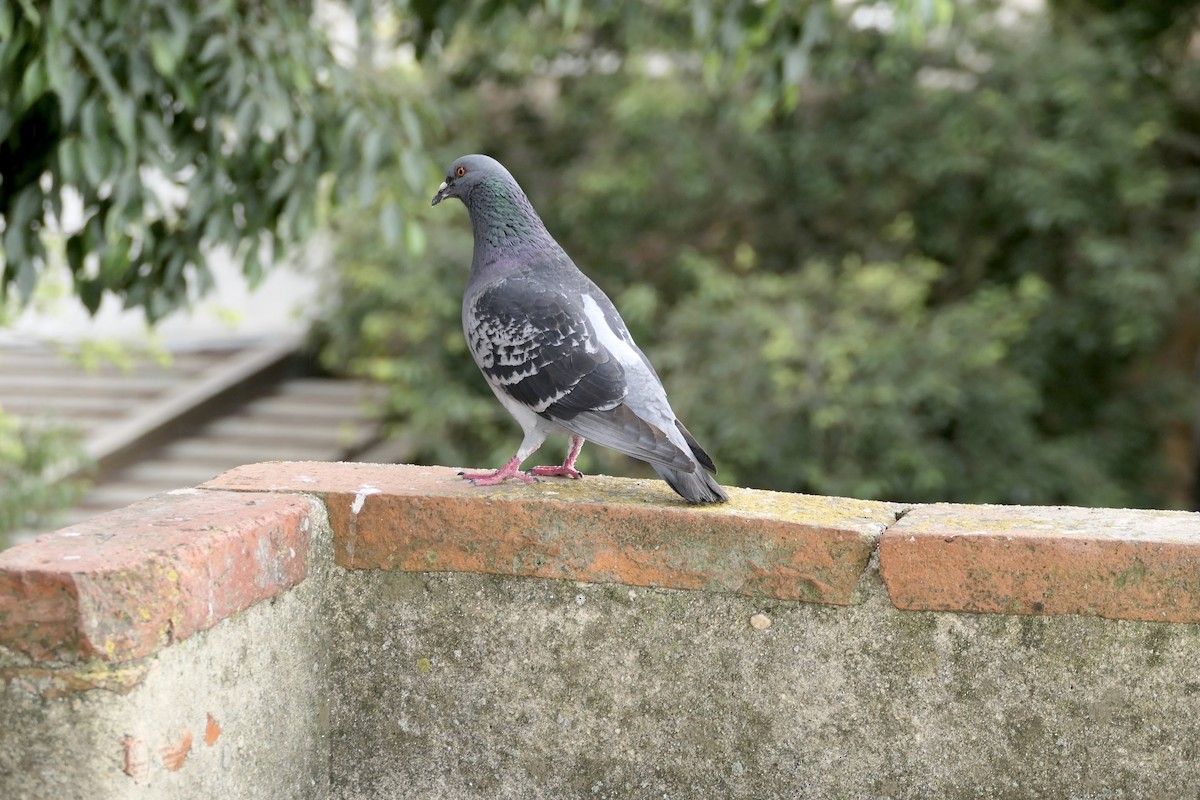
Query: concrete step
[[227, 455], [53, 384], [297, 407], [152, 429], [344, 433], [63, 405], [320, 388], [165, 474]]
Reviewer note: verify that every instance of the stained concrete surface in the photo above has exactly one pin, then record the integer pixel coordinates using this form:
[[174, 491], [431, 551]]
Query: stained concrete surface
[[468, 686], [239, 711]]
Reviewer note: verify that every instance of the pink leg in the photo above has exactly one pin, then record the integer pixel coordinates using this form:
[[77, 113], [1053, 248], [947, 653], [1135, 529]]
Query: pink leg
[[568, 467], [510, 470]]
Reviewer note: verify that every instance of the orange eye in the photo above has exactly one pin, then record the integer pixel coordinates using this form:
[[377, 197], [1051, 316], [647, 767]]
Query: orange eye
[[460, 171]]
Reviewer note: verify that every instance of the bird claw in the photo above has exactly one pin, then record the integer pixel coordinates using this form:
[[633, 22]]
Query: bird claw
[[560, 471], [495, 478]]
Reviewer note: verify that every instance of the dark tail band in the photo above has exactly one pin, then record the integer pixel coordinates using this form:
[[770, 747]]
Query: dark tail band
[[695, 487]]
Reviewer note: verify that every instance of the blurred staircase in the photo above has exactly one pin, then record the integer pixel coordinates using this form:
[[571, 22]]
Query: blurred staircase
[[153, 427]]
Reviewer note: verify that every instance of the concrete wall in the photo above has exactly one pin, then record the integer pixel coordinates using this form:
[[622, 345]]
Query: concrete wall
[[357, 631], [241, 710]]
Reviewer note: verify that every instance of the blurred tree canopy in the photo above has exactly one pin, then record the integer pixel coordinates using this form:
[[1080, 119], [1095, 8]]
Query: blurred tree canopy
[[29, 449], [134, 136], [958, 267], [179, 126]]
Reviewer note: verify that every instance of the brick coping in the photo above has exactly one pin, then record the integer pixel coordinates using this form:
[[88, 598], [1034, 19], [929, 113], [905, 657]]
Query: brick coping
[[115, 589]]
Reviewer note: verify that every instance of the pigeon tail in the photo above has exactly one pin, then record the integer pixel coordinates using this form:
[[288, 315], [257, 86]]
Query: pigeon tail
[[695, 487], [704, 458]]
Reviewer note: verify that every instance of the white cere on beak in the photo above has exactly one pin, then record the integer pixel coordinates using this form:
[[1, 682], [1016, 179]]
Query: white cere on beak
[[437, 198]]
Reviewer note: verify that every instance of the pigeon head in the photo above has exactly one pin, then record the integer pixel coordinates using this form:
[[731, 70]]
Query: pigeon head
[[468, 172], [506, 226]]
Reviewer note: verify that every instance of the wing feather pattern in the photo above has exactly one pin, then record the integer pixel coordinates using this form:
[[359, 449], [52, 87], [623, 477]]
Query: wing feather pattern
[[535, 346], [539, 347]]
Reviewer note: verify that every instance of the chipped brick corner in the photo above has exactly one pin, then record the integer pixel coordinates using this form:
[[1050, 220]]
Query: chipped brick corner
[[81, 606]]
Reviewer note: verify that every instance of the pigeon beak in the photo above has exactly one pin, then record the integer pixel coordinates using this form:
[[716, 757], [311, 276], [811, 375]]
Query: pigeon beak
[[440, 196]]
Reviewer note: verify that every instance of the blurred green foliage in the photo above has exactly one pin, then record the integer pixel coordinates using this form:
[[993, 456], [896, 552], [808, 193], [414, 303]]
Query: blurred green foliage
[[136, 135], [29, 449], [959, 267]]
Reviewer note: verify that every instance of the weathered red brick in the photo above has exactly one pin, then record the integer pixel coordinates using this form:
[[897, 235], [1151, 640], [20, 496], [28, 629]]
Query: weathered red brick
[[121, 585], [212, 731], [175, 753], [612, 530], [1119, 564], [135, 763]]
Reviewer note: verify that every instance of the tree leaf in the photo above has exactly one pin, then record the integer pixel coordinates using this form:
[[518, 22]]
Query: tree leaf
[[374, 147], [33, 84], [414, 238], [26, 207], [31, 12], [246, 121], [70, 162], [252, 266], [15, 251], [216, 45], [74, 89], [124, 116], [6, 21], [306, 132], [391, 223], [285, 179], [96, 60], [90, 294], [76, 251], [165, 52], [27, 278]]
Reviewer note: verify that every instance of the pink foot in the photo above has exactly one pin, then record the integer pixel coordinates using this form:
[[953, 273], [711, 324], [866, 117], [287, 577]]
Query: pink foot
[[567, 469], [559, 472], [510, 470]]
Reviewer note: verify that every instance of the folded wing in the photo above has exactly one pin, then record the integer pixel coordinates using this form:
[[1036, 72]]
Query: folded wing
[[539, 346]]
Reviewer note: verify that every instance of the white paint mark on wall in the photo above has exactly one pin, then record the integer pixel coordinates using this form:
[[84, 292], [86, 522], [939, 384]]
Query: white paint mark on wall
[[188, 490], [364, 491]]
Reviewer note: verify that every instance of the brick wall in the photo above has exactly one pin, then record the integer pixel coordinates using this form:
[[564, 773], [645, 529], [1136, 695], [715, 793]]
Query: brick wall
[[94, 609]]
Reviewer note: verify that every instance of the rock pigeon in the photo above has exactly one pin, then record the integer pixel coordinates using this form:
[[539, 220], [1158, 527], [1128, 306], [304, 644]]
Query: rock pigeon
[[553, 348]]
